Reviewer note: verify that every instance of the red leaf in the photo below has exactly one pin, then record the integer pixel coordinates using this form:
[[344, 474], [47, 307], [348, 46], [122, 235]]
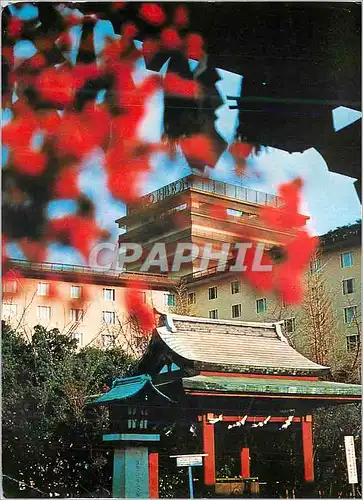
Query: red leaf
[[152, 13], [129, 31], [240, 150], [182, 87], [33, 250]]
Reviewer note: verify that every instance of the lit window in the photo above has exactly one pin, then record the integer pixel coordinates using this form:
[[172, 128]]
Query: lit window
[[10, 310], [235, 287], [78, 337], [76, 292], [169, 299], [212, 293], [107, 340], [109, 317], [43, 289], [236, 311], [346, 259], [261, 305], [109, 294], [213, 314], [350, 313], [43, 313], [348, 286], [10, 286], [192, 299], [76, 314], [290, 325], [352, 342]]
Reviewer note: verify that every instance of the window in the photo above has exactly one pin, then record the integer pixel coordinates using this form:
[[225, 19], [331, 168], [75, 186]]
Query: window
[[350, 313], [352, 342], [76, 314], [78, 337], [143, 297], [169, 299], [192, 299], [213, 314], [109, 317], [10, 286], [315, 265], [234, 287], [76, 292], [290, 325], [348, 286], [236, 311], [212, 293], [107, 340], [43, 312], [109, 294], [261, 305], [346, 259], [10, 310], [43, 289]]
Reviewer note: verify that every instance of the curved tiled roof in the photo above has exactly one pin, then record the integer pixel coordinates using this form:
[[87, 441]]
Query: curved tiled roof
[[234, 345]]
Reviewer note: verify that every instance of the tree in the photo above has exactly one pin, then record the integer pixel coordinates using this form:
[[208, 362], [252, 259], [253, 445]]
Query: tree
[[52, 443]]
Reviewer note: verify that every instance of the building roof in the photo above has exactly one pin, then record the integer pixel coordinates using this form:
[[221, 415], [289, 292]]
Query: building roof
[[344, 235], [234, 346], [86, 274], [256, 386]]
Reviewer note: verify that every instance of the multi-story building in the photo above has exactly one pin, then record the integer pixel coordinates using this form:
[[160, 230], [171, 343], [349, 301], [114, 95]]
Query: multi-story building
[[224, 294], [86, 303]]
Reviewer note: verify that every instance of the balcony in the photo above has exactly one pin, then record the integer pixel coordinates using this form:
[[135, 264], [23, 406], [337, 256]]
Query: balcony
[[207, 185]]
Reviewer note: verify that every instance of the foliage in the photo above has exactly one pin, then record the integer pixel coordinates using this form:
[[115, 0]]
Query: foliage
[[331, 424], [51, 445]]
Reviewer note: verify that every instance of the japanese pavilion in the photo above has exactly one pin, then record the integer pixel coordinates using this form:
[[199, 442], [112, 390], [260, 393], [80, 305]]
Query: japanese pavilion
[[214, 373]]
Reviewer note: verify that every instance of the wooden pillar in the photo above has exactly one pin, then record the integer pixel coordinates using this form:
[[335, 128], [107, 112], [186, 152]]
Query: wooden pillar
[[153, 475], [208, 447], [307, 446], [245, 462]]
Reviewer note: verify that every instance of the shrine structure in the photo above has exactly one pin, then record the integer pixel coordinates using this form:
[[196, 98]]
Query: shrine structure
[[212, 373]]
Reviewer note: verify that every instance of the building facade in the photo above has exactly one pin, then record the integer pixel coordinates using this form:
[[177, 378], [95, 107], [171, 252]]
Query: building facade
[[87, 304]]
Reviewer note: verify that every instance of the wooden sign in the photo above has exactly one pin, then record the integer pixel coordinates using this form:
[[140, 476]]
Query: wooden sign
[[351, 460]]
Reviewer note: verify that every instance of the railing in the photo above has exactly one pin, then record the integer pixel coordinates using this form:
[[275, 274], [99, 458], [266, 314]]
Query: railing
[[69, 268], [209, 186]]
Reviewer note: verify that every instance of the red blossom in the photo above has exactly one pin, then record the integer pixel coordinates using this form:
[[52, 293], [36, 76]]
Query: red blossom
[[66, 184], [140, 310], [56, 86], [29, 162], [181, 87], [181, 16], [129, 30], [152, 13], [194, 46], [79, 232], [170, 38], [33, 250], [199, 148], [15, 27], [149, 48], [240, 150], [49, 121], [19, 131]]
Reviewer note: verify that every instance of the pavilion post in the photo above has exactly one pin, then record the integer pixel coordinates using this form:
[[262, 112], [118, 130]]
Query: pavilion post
[[153, 475], [245, 463], [307, 446], [209, 449]]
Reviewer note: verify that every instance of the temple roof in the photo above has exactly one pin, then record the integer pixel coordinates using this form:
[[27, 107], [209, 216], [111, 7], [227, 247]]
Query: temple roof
[[233, 346], [261, 386]]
